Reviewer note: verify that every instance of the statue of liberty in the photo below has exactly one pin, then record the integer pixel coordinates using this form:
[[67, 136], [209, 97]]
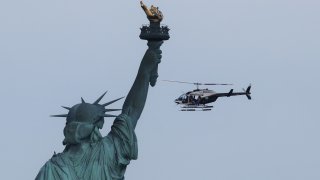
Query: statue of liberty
[[88, 155]]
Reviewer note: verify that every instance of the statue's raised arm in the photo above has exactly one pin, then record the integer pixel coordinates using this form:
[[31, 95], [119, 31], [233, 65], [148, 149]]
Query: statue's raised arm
[[148, 70], [147, 74], [87, 154]]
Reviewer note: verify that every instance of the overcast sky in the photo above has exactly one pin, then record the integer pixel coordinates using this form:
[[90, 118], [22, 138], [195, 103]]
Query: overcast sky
[[54, 52]]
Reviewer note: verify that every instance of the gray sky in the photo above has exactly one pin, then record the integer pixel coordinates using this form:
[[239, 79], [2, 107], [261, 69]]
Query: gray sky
[[54, 52]]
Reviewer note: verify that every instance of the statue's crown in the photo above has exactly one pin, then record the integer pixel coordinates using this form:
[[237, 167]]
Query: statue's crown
[[86, 112]]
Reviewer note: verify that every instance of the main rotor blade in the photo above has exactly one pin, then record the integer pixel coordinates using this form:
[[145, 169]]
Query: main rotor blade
[[220, 84], [179, 81], [197, 83]]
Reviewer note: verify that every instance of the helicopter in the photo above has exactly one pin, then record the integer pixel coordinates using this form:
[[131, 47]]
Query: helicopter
[[197, 99]]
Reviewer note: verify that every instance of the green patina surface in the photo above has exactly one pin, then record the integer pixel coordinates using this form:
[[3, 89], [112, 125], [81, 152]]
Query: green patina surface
[[88, 155]]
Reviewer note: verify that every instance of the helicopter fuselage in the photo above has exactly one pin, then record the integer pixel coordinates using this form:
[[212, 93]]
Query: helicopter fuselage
[[205, 96], [198, 96]]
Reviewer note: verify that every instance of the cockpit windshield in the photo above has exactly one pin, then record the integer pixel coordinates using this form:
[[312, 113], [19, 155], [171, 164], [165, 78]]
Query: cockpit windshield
[[182, 97]]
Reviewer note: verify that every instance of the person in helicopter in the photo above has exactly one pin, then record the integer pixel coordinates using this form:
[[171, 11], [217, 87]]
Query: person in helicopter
[[198, 100]]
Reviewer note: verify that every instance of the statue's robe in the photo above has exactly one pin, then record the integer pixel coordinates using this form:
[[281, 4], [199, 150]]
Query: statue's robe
[[105, 159]]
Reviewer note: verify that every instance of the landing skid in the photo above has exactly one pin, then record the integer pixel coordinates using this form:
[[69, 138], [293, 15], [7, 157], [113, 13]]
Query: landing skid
[[196, 108]]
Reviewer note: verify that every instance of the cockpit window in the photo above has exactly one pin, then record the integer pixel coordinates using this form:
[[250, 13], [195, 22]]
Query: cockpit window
[[183, 96]]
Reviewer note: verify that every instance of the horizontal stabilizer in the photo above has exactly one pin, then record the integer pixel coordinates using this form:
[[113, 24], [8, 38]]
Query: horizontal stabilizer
[[248, 96]]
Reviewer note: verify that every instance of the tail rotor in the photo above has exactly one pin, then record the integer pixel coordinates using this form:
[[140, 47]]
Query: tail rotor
[[247, 91]]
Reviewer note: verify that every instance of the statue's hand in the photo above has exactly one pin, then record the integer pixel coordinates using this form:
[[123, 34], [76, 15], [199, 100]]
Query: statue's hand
[[150, 61], [153, 13]]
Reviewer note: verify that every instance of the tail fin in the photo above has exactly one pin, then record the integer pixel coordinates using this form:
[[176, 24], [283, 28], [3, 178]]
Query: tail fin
[[248, 92], [230, 93]]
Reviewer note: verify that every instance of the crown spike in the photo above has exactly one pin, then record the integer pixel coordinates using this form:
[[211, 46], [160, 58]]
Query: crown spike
[[66, 107], [109, 115], [108, 103], [82, 100], [109, 110], [60, 115], [99, 99]]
